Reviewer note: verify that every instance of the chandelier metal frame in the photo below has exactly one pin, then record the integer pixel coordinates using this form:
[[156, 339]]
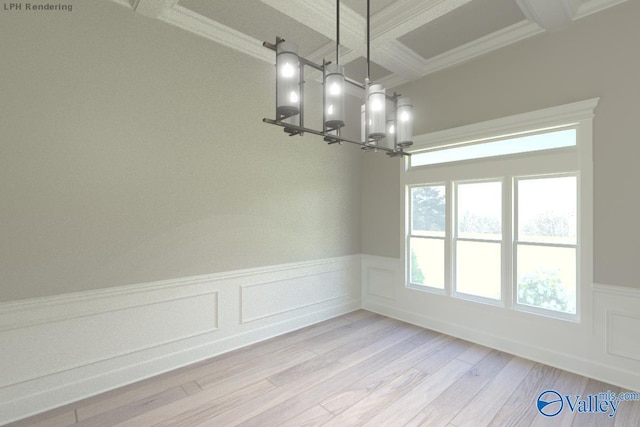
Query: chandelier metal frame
[[286, 115]]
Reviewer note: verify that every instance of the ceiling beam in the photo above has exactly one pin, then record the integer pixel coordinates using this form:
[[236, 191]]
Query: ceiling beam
[[320, 16], [404, 16]]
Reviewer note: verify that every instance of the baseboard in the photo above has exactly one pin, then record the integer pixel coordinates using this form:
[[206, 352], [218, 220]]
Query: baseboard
[[603, 346], [65, 348]]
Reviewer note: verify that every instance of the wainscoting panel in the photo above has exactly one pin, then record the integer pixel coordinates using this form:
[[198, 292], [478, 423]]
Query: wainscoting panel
[[623, 334], [60, 349], [604, 345], [617, 311], [261, 300], [379, 277]]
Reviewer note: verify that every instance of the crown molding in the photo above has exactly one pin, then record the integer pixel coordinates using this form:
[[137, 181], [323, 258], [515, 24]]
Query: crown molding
[[388, 24], [188, 20], [398, 58], [501, 38], [404, 16], [594, 6], [319, 15], [392, 80], [550, 14]]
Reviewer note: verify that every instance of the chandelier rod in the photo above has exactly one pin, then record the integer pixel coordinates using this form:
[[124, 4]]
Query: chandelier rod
[[368, 41], [337, 32]]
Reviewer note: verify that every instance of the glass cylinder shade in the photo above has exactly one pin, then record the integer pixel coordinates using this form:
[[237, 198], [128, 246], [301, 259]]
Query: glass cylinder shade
[[391, 131], [287, 80], [376, 102], [404, 122], [363, 125], [334, 96]]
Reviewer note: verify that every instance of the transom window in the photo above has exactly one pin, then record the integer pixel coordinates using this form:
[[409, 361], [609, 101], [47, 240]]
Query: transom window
[[500, 219]]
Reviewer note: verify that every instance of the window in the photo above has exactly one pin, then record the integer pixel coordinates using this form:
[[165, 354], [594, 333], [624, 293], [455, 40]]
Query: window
[[545, 242], [426, 241], [478, 239], [479, 150], [498, 212]]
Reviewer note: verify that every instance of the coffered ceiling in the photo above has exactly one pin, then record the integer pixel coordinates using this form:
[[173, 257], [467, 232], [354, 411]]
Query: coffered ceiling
[[409, 38]]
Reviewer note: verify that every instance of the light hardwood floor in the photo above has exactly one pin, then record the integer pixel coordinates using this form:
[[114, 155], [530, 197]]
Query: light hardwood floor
[[357, 369]]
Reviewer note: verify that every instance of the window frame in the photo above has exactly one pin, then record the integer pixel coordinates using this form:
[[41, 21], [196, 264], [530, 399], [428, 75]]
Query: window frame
[[575, 160], [455, 238], [516, 242], [409, 283]]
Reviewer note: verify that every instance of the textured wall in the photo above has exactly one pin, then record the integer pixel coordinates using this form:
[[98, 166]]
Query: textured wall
[[594, 57], [133, 151]]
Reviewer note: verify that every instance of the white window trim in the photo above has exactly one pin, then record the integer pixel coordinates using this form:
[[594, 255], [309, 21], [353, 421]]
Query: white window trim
[[579, 115]]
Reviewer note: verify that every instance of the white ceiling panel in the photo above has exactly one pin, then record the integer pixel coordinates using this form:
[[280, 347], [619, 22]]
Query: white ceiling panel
[[258, 20], [472, 21], [409, 38]]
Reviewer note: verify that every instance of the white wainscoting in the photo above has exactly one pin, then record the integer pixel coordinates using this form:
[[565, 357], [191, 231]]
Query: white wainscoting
[[605, 345], [56, 350]]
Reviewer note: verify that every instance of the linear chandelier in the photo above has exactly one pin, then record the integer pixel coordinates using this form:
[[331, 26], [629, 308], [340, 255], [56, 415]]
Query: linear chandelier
[[391, 133]]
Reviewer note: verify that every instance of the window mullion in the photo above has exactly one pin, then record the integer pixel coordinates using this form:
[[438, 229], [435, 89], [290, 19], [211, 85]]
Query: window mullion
[[449, 247], [508, 230]]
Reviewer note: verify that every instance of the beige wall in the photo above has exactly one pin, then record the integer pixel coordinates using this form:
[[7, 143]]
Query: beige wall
[[133, 151], [594, 57]]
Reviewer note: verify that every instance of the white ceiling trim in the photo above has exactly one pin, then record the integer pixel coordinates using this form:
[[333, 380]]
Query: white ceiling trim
[[320, 16], [387, 25], [398, 58], [391, 81], [404, 16], [501, 38], [188, 20], [593, 6]]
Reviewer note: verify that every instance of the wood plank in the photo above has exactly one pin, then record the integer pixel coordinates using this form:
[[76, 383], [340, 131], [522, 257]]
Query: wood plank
[[397, 335], [286, 360], [56, 418], [475, 354], [348, 333], [199, 407], [366, 408], [488, 402], [191, 387], [433, 362], [252, 407], [314, 416], [520, 409], [360, 389], [117, 415], [347, 344], [404, 409], [628, 414], [330, 386], [446, 406]]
